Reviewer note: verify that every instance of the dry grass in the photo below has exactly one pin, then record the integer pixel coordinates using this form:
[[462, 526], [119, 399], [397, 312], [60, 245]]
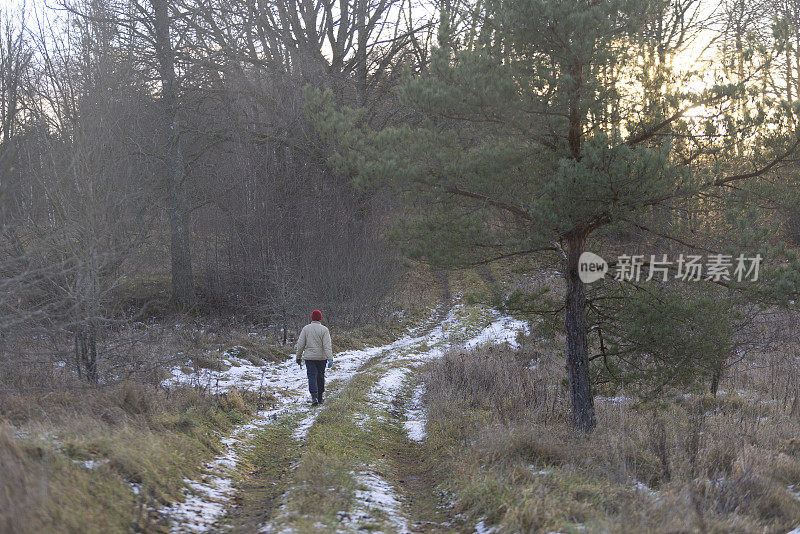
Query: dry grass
[[688, 465], [130, 433], [129, 428], [20, 488]]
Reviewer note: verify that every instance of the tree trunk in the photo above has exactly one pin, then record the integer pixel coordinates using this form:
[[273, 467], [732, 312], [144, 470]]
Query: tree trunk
[[181, 257], [715, 382], [91, 355], [580, 387], [86, 351], [79, 352], [716, 376], [177, 209], [361, 53]]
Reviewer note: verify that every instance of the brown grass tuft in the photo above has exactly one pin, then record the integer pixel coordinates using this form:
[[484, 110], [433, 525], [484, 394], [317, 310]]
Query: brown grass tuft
[[701, 464]]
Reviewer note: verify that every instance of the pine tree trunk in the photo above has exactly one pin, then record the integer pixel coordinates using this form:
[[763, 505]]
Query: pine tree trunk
[[716, 376], [715, 382], [580, 387]]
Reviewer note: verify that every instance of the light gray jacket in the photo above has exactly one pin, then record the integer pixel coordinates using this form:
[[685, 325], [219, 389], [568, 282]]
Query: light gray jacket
[[314, 342]]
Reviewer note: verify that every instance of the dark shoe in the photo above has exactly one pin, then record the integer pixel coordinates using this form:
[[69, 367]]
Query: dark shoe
[[314, 402], [321, 401]]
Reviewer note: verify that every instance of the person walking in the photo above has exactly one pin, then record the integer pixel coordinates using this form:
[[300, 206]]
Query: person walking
[[314, 346]]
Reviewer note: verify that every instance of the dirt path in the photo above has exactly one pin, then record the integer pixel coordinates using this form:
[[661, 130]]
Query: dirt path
[[354, 464]]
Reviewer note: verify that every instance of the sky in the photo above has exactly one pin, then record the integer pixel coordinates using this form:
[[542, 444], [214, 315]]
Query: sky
[[686, 60]]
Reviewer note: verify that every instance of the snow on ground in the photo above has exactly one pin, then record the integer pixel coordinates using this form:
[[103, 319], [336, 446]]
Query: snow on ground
[[641, 486], [536, 471], [392, 381], [203, 505], [377, 494], [304, 426], [415, 415], [92, 464], [387, 388], [207, 499], [482, 528], [502, 330], [794, 491]]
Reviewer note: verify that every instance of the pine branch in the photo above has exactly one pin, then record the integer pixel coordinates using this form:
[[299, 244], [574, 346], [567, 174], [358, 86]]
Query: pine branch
[[488, 200], [758, 172]]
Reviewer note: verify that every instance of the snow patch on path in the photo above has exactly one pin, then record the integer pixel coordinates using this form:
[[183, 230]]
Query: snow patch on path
[[793, 489], [392, 381], [382, 393], [304, 426], [379, 497], [482, 528], [415, 415], [502, 330], [208, 499]]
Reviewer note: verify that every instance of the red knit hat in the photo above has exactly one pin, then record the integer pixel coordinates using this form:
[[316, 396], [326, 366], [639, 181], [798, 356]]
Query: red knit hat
[[316, 315]]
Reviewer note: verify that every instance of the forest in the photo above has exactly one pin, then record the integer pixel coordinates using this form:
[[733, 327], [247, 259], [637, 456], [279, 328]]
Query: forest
[[556, 243]]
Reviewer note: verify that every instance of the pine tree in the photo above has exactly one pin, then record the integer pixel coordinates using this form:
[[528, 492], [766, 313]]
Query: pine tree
[[513, 150]]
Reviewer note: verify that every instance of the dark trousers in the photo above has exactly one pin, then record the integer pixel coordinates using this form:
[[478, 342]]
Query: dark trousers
[[316, 378]]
